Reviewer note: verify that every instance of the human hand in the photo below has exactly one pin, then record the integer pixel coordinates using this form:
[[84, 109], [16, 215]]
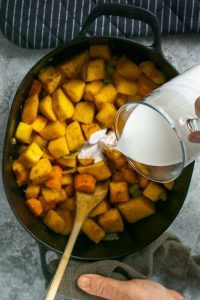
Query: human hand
[[112, 289], [194, 137]]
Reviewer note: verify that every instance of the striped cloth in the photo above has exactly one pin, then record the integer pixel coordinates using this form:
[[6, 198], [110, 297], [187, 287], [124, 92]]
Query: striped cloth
[[51, 23]]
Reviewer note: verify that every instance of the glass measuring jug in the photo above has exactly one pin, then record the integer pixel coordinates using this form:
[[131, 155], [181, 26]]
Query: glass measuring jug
[[153, 134]]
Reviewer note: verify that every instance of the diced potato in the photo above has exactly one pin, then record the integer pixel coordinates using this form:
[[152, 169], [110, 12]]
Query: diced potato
[[62, 106], [99, 209], [41, 171], [127, 68], [106, 95], [84, 112], [85, 161], [30, 109], [169, 185], [46, 108], [74, 135], [32, 191], [53, 130], [111, 221], [67, 161], [50, 78], [125, 86], [99, 170], [36, 88], [106, 116], [145, 85], [21, 172], [35, 206], [150, 70], [23, 133], [118, 192], [67, 216], [93, 230], [36, 138], [39, 123], [93, 70], [89, 129], [54, 195], [143, 182], [54, 221], [73, 66], [153, 191], [129, 175], [67, 179], [58, 147], [69, 204], [31, 155], [100, 51], [74, 89], [137, 209], [91, 89]]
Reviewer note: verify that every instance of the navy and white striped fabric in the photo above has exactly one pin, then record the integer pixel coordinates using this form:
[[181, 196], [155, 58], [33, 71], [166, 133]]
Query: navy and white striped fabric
[[51, 23]]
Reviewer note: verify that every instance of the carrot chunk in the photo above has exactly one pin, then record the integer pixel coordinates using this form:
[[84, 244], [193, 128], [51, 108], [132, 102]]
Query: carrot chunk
[[35, 206], [85, 183], [56, 181]]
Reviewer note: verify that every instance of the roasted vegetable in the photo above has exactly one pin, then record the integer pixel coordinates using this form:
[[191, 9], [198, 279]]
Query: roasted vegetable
[[55, 182], [46, 108], [85, 183], [153, 191], [58, 147], [74, 135], [30, 109], [31, 155], [100, 51], [106, 116], [118, 192], [35, 206], [127, 68], [41, 171], [54, 221], [99, 170], [21, 172], [23, 133], [53, 130], [106, 95], [50, 78], [94, 70], [84, 112], [62, 106], [91, 89], [111, 221], [93, 230], [74, 89]]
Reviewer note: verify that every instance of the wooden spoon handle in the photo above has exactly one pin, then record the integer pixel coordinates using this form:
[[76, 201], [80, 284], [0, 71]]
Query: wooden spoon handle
[[63, 262]]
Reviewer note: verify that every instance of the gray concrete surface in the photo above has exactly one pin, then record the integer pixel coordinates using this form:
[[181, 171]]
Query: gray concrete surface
[[20, 273]]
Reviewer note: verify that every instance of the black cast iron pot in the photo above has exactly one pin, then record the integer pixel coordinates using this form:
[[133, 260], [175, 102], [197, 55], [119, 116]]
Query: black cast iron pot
[[136, 236]]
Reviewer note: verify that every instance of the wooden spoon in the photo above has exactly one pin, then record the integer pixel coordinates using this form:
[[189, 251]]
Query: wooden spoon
[[85, 203]]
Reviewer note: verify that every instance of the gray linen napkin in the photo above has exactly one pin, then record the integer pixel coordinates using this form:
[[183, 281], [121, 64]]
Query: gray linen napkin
[[166, 260]]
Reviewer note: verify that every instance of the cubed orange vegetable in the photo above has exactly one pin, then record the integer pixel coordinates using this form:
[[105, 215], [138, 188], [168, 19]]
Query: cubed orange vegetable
[[35, 206], [85, 183], [56, 181]]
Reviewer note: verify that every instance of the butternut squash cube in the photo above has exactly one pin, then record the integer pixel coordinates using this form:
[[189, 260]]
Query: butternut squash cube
[[99, 209], [67, 161], [53, 130], [36, 88], [74, 89], [99, 170], [137, 209], [85, 161], [106, 116], [143, 182], [32, 191], [36, 138], [91, 89], [145, 85], [30, 109], [69, 204], [74, 135], [47, 155], [93, 230], [128, 69], [150, 70], [41, 171], [46, 108], [31, 155], [115, 156], [118, 192], [120, 100], [54, 195], [106, 95], [89, 129], [67, 216], [130, 176], [58, 147], [39, 123], [62, 106], [67, 179], [100, 51], [84, 112], [23, 132], [73, 66], [124, 86], [54, 221], [153, 191], [111, 221], [35, 206], [94, 70], [47, 205], [50, 78], [21, 173], [169, 185]]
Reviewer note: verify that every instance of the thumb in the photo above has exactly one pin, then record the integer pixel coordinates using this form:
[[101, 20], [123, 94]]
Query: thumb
[[100, 286]]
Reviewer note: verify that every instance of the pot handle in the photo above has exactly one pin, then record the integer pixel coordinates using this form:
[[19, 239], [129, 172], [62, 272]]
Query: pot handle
[[48, 275], [126, 11]]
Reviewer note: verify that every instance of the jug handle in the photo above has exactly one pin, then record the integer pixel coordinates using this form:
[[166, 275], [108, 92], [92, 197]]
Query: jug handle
[[126, 11]]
